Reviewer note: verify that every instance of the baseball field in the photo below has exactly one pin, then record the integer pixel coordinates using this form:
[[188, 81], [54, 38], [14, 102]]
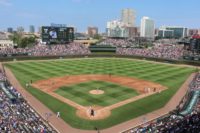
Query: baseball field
[[117, 89]]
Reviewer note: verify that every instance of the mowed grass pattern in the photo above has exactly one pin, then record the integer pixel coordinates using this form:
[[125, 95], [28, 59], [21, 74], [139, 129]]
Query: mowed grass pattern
[[113, 93], [171, 76]]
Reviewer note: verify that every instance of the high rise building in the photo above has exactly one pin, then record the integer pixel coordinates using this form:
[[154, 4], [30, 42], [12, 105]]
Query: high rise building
[[117, 29], [20, 29], [39, 30], [133, 32], [192, 32], [128, 17], [3, 36], [10, 29], [164, 33], [92, 31], [31, 29], [178, 31], [156, 32], [147, 28]]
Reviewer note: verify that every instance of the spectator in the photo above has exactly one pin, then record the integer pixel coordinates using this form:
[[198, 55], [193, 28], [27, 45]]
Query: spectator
[[19, 117], [174, 123]]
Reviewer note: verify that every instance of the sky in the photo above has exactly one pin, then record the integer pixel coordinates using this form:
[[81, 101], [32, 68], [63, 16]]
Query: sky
[[84, 13]]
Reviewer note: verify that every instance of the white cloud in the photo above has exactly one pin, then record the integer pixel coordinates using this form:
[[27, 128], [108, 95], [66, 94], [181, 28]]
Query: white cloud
[[5, 3]]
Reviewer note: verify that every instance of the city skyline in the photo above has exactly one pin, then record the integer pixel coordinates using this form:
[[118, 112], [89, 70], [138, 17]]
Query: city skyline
[[84, 13]]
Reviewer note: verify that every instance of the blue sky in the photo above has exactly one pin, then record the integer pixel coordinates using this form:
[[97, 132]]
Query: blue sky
[[84, 13]]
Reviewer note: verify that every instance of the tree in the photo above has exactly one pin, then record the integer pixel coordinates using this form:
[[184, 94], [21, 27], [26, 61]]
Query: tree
[[97, 36], [21, 41], [16, 38]]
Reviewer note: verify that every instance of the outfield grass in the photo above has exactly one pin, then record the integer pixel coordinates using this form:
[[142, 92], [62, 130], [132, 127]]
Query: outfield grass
[[170, 76], [113, 93]]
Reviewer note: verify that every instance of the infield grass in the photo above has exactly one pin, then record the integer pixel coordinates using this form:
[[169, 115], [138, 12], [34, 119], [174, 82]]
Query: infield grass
[[113, 93], [167, 75]]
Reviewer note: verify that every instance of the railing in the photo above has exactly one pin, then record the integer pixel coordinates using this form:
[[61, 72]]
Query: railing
[[192, 102], [10, 96]]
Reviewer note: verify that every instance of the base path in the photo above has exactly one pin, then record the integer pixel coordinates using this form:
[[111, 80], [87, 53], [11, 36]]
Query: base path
[[171, 105], [63, 127], [52, 84], [143, 87], [60, 125]]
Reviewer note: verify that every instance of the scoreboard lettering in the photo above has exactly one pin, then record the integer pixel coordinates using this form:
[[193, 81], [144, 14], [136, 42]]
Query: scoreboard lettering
[[57, 34]]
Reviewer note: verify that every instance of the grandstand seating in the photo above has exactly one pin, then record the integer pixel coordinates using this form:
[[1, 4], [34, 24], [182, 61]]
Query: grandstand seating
[[192, 102], [18, 116], [122, 47], [8, 94], [185, 121]]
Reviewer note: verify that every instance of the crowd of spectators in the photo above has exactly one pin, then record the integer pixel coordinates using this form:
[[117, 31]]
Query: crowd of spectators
[[167, 41], [124, 47], [195, 85], [117, 42], [16, 116], [165, 48], [2, 76], [160, 51], [191, 53], [46, 50], [174, 122]]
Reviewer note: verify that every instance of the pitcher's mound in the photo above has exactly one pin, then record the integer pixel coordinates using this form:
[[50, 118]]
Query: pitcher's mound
[[96, 92]]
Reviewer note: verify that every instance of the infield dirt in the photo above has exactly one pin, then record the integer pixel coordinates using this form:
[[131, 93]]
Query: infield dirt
[[143, 87], [62, 126]]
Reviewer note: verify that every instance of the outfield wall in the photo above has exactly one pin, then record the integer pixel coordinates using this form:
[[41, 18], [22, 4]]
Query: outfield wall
[[13, 58]]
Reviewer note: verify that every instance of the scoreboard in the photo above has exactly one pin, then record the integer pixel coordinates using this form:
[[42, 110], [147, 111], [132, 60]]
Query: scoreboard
[[195, 45], [57, 34]]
